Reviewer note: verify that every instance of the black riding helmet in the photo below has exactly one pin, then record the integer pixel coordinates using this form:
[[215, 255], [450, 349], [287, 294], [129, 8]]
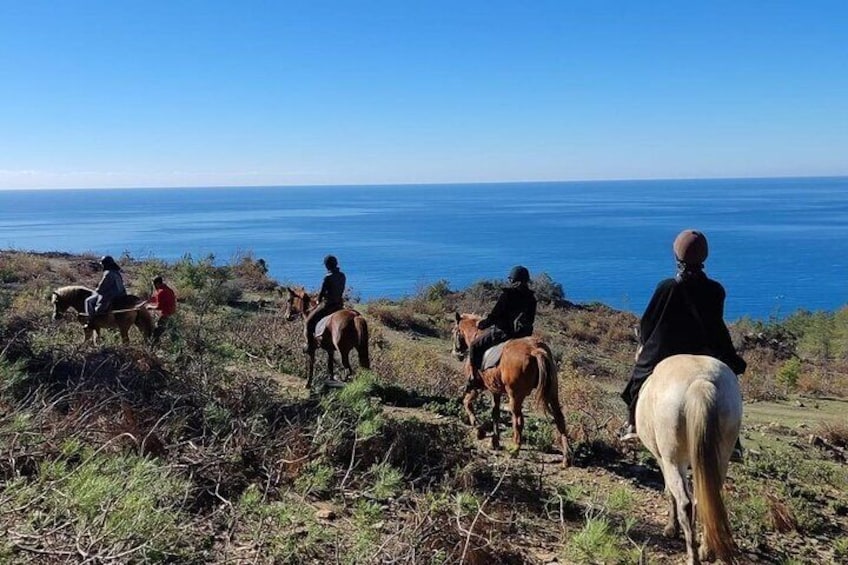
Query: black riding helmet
[[109, 264], [331, 262], [519, 274]]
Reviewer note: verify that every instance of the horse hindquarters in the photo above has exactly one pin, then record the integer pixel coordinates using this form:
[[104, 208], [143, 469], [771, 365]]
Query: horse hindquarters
[[709, 466]]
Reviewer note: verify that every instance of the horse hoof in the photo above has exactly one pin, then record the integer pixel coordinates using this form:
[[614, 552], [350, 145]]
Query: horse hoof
[[481, 432], [496, 445], [670, 532]]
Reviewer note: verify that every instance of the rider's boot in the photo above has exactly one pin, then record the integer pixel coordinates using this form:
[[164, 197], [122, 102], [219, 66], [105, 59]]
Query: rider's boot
[[628, 432]]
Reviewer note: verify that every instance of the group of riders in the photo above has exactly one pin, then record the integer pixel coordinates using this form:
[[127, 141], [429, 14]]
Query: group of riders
[[684, 316], [110, 290]]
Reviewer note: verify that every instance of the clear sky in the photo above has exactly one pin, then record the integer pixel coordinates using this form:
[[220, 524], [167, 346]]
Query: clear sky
[[198, 93]]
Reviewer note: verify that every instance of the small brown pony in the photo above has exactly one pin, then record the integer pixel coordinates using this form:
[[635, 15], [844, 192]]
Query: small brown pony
[[346, 330], [74, 297], [526, 363]]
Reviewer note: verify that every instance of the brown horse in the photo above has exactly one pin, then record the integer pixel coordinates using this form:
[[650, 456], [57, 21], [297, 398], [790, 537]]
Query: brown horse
[[74, 297], [345, 330], [526, 363]]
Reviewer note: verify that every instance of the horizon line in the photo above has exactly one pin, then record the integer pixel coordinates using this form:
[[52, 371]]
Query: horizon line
[[440, 183]]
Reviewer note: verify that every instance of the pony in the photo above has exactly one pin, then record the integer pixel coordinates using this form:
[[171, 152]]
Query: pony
[[344, 331], [689, 413], [526, 363], [74, 297]]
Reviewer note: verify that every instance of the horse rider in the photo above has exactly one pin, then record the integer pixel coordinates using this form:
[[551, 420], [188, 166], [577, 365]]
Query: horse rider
[[512, 317], [110, 287], [330, 299], [685, 315], [165, 301]]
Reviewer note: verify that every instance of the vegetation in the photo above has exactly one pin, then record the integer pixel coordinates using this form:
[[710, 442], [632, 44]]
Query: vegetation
[[208, 448]]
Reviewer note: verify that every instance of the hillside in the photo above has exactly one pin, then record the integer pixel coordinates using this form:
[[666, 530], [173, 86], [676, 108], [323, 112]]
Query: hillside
[[208, 449]]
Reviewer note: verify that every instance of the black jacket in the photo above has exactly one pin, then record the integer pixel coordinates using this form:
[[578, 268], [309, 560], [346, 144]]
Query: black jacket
[[332, 288], [686, 315], [514, 312]]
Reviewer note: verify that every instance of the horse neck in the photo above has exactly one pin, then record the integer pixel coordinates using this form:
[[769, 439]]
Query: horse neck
[[469, 330], [75, 297]]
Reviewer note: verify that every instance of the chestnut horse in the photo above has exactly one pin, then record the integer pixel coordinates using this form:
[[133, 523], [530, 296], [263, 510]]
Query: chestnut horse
[[688, 414], [345, 330], [526, 363], [74, 297]]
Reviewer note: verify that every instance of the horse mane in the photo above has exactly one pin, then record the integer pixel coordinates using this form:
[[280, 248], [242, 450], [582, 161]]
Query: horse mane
[[72, 290]]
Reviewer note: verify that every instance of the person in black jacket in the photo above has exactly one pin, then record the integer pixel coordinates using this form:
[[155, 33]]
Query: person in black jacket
[[685, 315], [330, 299], [513, 316]]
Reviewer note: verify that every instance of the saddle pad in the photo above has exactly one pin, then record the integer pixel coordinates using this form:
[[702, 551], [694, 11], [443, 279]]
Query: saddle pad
[[322, 325], [493, 356]]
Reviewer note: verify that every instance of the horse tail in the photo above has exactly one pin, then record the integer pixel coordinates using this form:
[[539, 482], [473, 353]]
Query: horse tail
[[704, 438], [362, 342], [144, 322], [547, 391]]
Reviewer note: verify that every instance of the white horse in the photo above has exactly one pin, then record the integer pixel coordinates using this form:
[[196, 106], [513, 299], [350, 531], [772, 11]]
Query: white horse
[[688, 414]]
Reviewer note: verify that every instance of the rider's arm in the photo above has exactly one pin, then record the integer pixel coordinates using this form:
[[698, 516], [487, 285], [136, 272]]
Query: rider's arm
[[104, 284], [496, 314], [325, 288], [653, 312]]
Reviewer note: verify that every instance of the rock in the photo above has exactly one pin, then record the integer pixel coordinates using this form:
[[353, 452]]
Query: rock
[[325, 514]]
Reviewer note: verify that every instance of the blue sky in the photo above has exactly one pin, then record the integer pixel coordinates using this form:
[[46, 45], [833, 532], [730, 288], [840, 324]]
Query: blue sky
[[182, 93]]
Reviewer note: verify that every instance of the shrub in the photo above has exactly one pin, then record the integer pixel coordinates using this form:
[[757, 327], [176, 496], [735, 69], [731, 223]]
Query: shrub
[[548, 290], [789, 372]]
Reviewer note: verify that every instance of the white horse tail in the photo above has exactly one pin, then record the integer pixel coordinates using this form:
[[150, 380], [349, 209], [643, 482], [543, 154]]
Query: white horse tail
[[704, 438]]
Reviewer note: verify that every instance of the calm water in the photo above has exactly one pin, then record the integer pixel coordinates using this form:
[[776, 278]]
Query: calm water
[[776, 244]]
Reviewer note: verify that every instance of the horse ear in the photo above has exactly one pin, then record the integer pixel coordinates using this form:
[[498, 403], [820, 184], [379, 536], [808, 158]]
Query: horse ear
[[457, 317]]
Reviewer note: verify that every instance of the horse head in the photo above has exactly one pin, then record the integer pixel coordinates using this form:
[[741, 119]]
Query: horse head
[[69, 297], [463, 333], [59, 305], [297, 303]]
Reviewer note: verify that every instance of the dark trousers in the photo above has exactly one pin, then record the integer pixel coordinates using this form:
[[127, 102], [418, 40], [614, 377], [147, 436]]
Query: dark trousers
[[323, 309], [162, 326], [631, 394], [488, 338]]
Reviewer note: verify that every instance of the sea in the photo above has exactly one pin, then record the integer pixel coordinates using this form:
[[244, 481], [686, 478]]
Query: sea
[[776, 244]]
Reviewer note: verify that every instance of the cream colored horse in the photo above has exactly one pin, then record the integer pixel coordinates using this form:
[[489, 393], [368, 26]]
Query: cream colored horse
[[688, 414]]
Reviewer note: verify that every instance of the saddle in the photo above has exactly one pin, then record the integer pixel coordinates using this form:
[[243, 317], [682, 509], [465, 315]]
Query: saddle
[[492, 356], [322, 325], [124, 302]]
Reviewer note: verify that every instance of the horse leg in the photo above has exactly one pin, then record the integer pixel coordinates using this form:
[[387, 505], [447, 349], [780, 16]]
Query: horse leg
[[125, 334], [330, 363], [468, 404], [672, 527], [344, 353], [559, 421], [517, 421], [676, 484], [88, 334], [496, 415], [310, 367]]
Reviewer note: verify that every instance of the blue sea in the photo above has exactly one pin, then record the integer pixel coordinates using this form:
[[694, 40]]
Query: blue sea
[[776, 244]]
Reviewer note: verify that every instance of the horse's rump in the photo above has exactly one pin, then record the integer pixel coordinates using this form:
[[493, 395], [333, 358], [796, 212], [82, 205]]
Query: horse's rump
[[322, 324]]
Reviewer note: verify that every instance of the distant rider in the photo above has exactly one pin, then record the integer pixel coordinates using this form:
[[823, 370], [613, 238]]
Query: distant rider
[[110, 287], [330, 299], [685, 315], [513, 316], [165, 301]]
